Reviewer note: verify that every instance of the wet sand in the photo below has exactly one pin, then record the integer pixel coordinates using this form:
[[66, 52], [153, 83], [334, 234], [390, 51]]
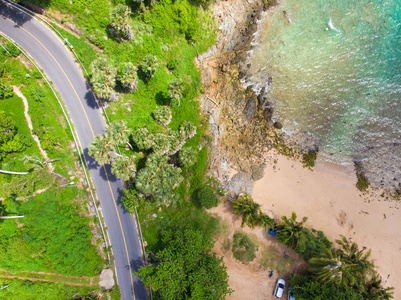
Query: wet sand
[[328, 197]]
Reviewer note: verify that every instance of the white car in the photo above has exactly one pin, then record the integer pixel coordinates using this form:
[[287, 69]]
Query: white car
[[290, 296], [279, 290]]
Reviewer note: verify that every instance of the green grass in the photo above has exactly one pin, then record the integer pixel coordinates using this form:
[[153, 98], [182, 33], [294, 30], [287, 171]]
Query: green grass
[[28, 290], [54, 236], [243, 248], [272, 259]]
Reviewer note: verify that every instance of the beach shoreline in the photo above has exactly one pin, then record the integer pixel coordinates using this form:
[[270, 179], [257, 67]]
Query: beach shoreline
[[329, 198]]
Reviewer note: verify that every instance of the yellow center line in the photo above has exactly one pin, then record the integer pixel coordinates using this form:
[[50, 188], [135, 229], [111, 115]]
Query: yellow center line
[[90, 126]]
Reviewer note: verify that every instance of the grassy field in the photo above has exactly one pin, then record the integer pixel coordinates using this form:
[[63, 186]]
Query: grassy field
[[55, 234]]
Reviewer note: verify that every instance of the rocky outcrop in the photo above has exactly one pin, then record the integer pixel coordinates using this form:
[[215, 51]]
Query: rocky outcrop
[[240, 120]]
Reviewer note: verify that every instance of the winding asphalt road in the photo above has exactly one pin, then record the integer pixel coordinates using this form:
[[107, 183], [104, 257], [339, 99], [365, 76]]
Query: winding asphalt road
[[57, 62]]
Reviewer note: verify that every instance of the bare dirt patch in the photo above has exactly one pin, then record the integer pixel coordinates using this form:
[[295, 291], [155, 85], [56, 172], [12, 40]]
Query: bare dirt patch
[[251, 281]]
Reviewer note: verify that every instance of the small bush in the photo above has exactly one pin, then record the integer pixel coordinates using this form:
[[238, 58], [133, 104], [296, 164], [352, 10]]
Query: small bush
[[308, 159], [207, 197], [362, 183], [243, 248], [172, 64]]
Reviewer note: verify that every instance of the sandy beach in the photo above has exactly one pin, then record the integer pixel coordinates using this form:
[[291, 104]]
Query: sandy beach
[[328, 197]]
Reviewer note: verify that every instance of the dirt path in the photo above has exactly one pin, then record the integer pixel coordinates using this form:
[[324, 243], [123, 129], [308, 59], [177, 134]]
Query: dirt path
[[29, 121], [50, 277]]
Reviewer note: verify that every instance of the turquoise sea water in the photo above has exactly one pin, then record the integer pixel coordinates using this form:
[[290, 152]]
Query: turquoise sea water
[[335, 68]]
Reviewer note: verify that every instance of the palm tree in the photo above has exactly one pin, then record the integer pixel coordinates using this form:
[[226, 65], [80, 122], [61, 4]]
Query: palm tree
[[290, 231], [118, 133], [375, 291], [160, 144], [176, 142], [104, 78], [354, 255], [100, 150], [187, 157], [175, 89], [119, 16], [158, 179], [127, 75], [249, 210], [149, 66], [123, 167], [347, 265], [162, 115], [142, 138], [187, 129], [330, 266], [266, 222]]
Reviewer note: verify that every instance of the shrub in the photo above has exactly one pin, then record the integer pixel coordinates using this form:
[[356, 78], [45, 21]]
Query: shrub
[[243, 248], [187, 157], [207, 197], [362, 184], [172, 64], [308, 159]]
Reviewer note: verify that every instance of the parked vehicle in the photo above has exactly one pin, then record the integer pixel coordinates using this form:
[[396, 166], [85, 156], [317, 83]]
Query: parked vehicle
[[290, 295], [279, 290]]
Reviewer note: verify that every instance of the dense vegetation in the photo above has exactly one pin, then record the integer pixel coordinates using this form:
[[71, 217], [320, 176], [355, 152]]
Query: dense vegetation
[[148, 80], [184, 268], [342, 272], [54, 235]]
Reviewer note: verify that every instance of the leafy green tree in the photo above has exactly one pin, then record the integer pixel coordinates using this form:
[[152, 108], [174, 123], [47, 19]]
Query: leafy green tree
[[207, 197], [119, 16], [100, 149], [160, 144], [149, 66], [123, 167], [187, 157], [306, 287], [185, 268], [142, 138], [187, 129], [162, 115], [103, 78], [175, 89], [290, 231], [118, 132], [248, 209], [127, 75]]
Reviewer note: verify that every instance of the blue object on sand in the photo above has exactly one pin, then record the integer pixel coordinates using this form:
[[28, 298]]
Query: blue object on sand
[[272, 231]]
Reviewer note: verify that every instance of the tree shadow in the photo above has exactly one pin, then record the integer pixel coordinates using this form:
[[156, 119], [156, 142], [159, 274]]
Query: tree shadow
[[162, 98], [91, 99], [90, 161], [16, 15], [105, 173]]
